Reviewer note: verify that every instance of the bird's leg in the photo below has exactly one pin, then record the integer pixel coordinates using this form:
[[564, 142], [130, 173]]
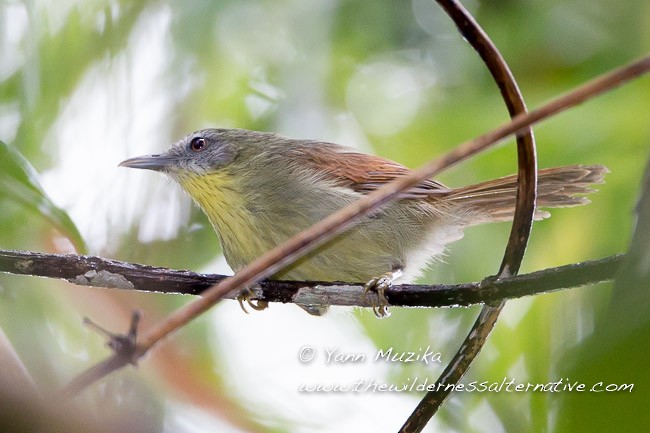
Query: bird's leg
[[245, 295], [379, 285]]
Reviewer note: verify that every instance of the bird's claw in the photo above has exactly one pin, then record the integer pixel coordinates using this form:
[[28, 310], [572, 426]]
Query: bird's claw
[[379, 286], [245, 295]]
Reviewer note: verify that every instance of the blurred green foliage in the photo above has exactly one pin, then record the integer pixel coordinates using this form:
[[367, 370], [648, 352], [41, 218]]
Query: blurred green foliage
[[391, 77], [19, 182]]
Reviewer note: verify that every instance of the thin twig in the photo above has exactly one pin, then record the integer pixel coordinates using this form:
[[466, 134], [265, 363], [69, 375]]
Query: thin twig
[[321, 232], [163, 280]]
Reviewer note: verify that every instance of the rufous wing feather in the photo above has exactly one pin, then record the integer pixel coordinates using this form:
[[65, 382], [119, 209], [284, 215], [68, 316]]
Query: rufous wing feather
[[493, 200], [365, 173]]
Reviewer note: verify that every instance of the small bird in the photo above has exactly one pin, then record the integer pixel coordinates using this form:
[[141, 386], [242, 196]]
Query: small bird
[[258, 189]]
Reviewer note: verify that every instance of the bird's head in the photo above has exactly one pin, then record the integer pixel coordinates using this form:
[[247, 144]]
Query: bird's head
[[199, 153], [210, 164]]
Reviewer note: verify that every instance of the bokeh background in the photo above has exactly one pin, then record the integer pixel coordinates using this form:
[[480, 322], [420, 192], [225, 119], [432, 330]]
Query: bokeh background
[[84, 85]]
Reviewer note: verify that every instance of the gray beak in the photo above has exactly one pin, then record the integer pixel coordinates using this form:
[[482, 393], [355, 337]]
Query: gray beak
[[150, 162]]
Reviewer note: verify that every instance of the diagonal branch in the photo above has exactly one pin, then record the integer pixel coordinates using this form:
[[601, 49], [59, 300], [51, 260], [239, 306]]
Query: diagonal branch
[[304, 242]]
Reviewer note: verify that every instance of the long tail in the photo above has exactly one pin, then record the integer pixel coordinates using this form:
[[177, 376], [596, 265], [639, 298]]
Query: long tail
[[494, 200]]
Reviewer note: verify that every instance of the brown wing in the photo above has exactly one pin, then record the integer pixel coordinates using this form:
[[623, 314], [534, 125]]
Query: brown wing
[[364, 173]]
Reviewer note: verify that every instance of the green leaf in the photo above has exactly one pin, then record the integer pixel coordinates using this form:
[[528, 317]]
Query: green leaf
[[19, 182]]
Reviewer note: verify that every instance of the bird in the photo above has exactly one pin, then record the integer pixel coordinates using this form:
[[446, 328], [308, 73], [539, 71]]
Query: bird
[[258, 189]]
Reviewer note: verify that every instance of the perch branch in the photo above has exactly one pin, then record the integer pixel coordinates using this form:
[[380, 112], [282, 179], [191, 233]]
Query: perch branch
[[114, 274]]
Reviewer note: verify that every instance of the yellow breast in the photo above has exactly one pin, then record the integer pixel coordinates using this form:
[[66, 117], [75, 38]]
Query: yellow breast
[[247, 231], [238, 229]]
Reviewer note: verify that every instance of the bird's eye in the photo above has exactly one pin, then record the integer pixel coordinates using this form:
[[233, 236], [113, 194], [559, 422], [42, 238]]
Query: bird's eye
[[197, 144]]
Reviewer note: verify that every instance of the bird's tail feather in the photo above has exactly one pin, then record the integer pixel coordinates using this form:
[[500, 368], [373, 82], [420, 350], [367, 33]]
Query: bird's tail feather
[[494, 200]]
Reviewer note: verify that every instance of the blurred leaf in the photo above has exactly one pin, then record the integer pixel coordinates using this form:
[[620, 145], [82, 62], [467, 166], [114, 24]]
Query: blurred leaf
[[617, 352], [19, 182], [63, 59]]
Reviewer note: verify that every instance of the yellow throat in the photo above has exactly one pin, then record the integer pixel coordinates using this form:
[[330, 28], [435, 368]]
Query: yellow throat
[[217, 195]]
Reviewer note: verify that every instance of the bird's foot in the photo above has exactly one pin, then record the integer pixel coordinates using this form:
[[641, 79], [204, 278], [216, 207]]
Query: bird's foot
[[246, 295], [379, 285]]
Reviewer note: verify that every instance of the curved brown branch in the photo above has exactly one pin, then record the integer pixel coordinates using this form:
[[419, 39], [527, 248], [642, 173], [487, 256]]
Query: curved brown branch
[[319, 233], [130, 276], [521, 225]]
